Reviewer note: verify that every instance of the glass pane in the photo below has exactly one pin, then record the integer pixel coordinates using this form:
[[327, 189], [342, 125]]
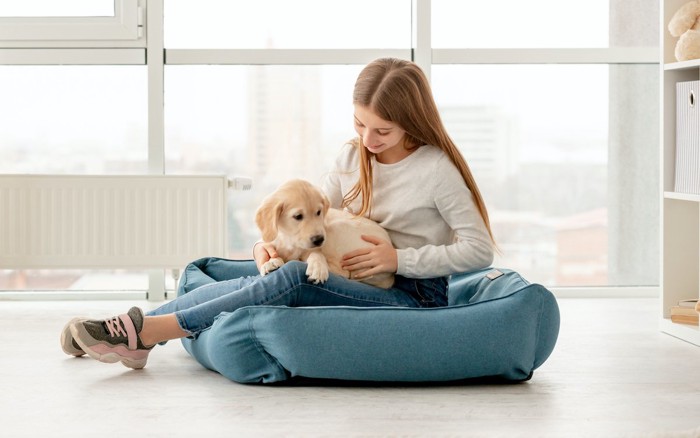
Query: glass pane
[[544, 24], [72, 280], [73, 119], [272, 123], [569, 172], [272, 24], [57, 8]]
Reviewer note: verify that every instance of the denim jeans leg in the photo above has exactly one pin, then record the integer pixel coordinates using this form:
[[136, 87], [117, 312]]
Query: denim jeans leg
[[288, 286], [203, 294]]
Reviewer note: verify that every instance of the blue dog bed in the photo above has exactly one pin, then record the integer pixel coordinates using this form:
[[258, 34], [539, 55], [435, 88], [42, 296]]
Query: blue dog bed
[[496, 325]]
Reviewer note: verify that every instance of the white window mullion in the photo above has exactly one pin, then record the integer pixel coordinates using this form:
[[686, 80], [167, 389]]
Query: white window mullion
[[278, 56], [155, 62], [613, 55], [156, 119], [421, 35], [72, 56]]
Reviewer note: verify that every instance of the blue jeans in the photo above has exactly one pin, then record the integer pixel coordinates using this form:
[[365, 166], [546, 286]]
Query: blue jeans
[[288, 286]]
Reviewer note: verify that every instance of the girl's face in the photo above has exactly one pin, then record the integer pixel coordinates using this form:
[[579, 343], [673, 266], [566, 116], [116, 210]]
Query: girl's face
[[382, 138]]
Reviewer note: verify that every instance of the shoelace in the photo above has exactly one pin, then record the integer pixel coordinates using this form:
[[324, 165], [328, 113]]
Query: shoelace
[[115, 329]]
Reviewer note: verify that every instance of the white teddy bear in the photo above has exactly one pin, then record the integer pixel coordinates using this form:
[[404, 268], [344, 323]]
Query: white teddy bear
[[685, 24]]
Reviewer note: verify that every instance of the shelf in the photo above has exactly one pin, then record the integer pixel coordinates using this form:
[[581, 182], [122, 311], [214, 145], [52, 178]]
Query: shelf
[[680, 212], [686, 332], [682, 65], [682, 196]]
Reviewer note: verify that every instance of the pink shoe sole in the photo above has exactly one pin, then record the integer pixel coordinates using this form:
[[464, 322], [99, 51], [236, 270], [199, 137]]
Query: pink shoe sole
[[108, 353]]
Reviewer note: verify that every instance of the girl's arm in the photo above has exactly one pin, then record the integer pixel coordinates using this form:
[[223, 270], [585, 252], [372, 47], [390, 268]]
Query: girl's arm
[[472, 248]]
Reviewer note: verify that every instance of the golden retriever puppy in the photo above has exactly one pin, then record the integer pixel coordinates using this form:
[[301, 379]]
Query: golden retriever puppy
[[297, 219]]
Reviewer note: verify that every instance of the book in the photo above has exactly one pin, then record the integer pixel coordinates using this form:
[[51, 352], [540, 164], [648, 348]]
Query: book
[[685, 313], [689, 320], [688, 303]]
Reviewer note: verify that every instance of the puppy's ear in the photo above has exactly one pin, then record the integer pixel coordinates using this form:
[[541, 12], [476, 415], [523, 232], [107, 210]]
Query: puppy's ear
[[267, 216], [326, 203]]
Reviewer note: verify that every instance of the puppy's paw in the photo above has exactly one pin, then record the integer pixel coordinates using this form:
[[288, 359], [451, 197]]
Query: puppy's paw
[[271, 265], [317, 272]]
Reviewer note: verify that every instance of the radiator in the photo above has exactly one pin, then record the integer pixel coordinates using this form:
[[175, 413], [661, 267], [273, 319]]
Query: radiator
[[92, 222]]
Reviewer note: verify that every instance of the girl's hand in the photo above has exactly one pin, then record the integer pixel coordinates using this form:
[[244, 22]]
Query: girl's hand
[[263, 252], [372, 260]]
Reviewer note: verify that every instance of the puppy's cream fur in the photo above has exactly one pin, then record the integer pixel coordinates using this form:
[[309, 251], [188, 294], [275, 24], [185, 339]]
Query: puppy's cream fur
[[297, 219]]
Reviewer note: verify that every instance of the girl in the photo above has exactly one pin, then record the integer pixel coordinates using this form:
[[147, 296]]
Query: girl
[[403, 171]]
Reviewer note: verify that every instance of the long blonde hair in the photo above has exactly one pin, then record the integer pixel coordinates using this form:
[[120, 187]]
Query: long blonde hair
[[398, 91]]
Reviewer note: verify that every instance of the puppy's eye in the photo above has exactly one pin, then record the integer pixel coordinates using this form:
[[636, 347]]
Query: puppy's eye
[[318, 213], [298, 216]]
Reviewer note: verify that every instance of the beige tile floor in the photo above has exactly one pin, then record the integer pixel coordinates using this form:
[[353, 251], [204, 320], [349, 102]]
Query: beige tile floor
[[612, 374]]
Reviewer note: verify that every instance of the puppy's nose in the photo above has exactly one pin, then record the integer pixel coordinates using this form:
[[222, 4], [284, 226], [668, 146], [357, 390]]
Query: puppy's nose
[[317, 240]]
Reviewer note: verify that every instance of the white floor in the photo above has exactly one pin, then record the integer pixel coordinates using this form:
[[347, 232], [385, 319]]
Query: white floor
[[612, 374]]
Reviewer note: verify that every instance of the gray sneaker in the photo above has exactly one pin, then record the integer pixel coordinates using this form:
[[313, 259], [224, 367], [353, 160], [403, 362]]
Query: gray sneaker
[[68, 344], [114, 339]]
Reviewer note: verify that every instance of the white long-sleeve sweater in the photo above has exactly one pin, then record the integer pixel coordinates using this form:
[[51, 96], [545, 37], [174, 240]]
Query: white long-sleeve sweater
[[426, 207]]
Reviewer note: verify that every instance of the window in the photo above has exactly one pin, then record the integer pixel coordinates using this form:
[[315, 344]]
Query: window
[[53, 8], [549, 157], [273, 123], [73, 119], [543, 24], [73, 280], [282, 24], [558, 117], [45, 20]]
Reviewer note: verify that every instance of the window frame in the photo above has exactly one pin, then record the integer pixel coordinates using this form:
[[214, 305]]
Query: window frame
[[125, 27]]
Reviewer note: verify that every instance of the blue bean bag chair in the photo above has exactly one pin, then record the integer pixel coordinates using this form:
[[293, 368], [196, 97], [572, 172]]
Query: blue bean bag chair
[[496, 325]]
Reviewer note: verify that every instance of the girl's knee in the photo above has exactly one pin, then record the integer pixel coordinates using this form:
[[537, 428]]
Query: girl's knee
[[294, 268]]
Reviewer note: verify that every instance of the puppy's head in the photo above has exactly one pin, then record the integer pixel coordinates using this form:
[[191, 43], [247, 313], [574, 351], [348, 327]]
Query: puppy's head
[[293, 215]]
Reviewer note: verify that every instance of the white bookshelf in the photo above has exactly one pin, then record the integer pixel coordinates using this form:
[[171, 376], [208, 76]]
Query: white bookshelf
[[680, 212]]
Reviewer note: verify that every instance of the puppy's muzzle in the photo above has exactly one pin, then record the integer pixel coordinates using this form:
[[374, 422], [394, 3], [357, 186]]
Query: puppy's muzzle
[[317, 240]]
